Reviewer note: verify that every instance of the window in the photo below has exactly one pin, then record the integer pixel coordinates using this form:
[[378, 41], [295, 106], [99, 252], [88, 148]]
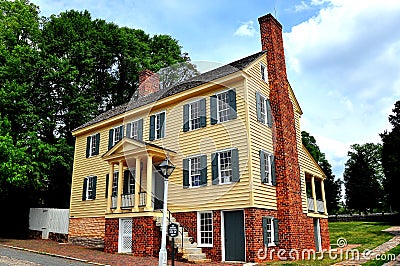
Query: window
[[195, 171], [92, 145], [264, 73], [223, 107], [194, 115], [115, 134], [134, 129], [225, 166], [264, 114], [157, 126], [114, 191], [270, 231], [89, 188], [205, 229], [129, 182], [267, 168]]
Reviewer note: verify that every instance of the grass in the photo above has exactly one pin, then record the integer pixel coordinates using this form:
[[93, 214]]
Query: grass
[[368, 234], [394, 252]]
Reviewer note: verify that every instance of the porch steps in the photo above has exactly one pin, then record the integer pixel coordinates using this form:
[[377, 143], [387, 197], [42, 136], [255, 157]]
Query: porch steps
[[189, 250]]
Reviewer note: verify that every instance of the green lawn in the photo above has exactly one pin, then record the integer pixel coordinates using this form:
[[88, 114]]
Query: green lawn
[[384, 258], [368, 234]]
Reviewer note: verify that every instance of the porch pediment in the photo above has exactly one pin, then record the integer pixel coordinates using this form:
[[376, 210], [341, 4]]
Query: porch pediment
[[132, 147]]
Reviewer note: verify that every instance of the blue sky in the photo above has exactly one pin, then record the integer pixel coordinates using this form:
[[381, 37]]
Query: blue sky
[[342, 56]]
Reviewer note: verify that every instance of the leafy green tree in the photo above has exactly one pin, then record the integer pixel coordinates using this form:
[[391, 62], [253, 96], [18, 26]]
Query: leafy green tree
[[332, 185], [391, 159], [363, 177]]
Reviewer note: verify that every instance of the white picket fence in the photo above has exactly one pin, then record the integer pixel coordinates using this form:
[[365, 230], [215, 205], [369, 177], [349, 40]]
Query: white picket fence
[[49, 220]]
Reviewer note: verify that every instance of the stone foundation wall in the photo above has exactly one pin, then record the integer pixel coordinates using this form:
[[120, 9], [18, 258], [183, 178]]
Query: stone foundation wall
[[88, 231]]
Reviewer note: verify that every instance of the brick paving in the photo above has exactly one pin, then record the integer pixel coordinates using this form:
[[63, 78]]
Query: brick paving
[[385, 247], [89, 255]]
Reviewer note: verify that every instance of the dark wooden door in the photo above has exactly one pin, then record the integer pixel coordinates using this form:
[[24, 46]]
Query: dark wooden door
[[234, 236]]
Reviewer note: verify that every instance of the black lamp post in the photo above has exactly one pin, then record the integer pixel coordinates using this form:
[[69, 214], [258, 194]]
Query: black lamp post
[[165, 169]]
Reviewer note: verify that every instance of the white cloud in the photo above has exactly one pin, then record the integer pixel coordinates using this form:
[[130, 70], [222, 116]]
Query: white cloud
[[246, 29], [301, 7], [343, 64]]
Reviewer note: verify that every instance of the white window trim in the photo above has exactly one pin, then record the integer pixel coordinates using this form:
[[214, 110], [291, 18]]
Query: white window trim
[[163, 128], [218, 117], [115, 135], [134, 121], [87, 187], [269, 177], [263, 100], [91, 144], [272, 244], [190, 169], [199, 244], [265, 72], [190, 114], [219, 167]]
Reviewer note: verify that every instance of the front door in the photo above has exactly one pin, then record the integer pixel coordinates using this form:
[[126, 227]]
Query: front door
[[234, 236], [317, 235], [125, 236]]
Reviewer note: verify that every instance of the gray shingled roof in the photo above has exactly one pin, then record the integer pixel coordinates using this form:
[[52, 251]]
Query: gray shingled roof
[[185, 85]]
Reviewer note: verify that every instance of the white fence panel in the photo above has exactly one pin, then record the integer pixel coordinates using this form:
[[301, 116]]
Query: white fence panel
[[49, 220]]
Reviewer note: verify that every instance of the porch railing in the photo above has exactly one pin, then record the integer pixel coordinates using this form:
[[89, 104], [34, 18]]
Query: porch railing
[[142, 199], [113, 202], [128, 200], [320, 205]]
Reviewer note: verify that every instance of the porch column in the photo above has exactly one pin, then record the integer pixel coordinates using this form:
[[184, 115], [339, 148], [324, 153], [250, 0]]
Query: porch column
[[110, 183], [137, 184], [120, 184], [313, 193], [323, 195], [149, 188]]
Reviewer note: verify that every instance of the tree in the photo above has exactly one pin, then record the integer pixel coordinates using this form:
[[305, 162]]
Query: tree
[[363, 177], [332, 185], [391, 159]]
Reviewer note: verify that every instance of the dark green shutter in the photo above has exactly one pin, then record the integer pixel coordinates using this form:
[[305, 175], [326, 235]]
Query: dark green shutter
[[269, 114], [125, 188], [235, 166], [152, 127], [121, 132], [273, 174], [185, 173], [276, 229], [110, 138], [128, 130], [265, 231], [84, 188], [97, 144], [163, 125], [94, 187], [214, 168], [186, 118], [203, 116], [213, 109], [258, 101], [262, 167], [232, 104], [88, 146], [107, 181], [140, 129], [203, 170]]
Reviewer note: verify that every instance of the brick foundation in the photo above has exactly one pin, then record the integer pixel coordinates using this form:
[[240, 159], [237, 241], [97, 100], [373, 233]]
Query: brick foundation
[[146, 236], [87, 231]]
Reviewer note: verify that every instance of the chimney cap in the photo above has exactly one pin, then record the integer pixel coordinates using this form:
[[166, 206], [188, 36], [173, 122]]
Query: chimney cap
[[269, 18]]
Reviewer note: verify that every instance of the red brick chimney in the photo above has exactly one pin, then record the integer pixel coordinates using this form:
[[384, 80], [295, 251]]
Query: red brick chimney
[[294, 226], [149, 82]]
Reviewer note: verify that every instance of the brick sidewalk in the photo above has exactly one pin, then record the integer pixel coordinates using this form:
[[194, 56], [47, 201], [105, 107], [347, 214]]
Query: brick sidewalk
[[89, 255]]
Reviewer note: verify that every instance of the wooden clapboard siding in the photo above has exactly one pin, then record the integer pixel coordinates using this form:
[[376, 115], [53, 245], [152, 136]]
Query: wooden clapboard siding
[[264, 195]]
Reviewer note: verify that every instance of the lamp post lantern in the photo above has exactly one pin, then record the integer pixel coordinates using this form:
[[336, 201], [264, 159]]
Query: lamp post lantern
[[165, 169]]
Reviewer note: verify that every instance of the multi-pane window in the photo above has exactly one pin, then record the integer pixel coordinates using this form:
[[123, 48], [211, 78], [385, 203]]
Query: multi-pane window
[[264, 114], [131, 182], [117, 135], [205, 229], [92, 145], [270, 231], [159, 125], [115, 184], [135, 130], [223, 108], [194, 115], [89, 188], [263, 109], [194, 171], [264, 73], [225, 167], [266, 161]]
